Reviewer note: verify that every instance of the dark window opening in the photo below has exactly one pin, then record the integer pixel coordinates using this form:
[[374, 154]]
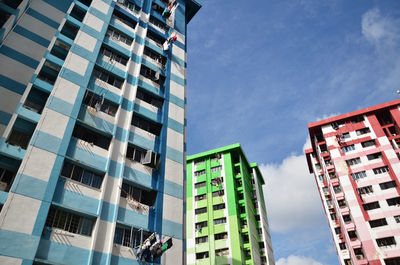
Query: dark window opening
[[219, 206], [219, 236], [374, 156], [386, 241], [77, 13], [342, 246], [393, 201], [392, 261], [363, 131], [371, 206], [108, 78], [100, 104], [378, 222], [154, 37], [91, 137], [202, 239], [4, 16], [384, 117], [155, 56], [21, 133], [145, 157], [49, 72], [81, 175], [113, 56], [6, 179], [147, 97], [146, 197], [60, 49], [129, 5], [119, 36], [147, 125], [152, 75], [36, 100], [12, 3], [200, 197], [202, 255], [69, 222], [201, 210], [69, 30], [86, 2], [352, 234], [346, 218], [129, 236], [124, 19], [158, 23], [368, 143], [220, 221], [388, 185]]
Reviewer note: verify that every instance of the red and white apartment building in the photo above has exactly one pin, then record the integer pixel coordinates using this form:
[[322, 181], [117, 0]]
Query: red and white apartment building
[[355, 158]]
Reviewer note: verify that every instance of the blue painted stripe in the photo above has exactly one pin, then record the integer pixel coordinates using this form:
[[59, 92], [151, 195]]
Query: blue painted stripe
[[11, 151], [177, 101], [28, 114], [111, 96], [3, 197], [42, 85], [175, 125], [121, 28], [114, 45], [154, 48], [84, 53], [60, 105], [5, 117], [121, 134], [177, 79], [43, 18], [147, 113], [31, 35], [46, 141], [174, 155], [138, 177], [110, 68], [139, 40], [152, 66], [132, 218], [18, 245], [60, 5], [141, 141], [127, 104], [74, 200], [96, 122], [172, 229], [20, 57], [132, 80], [108, 212], [98, 13], [29, 186], [115, 169], [180, 45], [178, 60], [173, 189], [61, 253]]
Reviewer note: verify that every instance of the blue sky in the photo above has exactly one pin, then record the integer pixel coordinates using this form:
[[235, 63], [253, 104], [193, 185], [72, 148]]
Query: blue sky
[[259, 71]]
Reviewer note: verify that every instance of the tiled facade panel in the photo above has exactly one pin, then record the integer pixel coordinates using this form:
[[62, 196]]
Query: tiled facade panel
[[355, 160], [69, 138]]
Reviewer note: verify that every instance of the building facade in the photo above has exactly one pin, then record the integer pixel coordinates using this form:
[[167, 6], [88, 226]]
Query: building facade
[[355, 159], [226, 218], [92, 126]]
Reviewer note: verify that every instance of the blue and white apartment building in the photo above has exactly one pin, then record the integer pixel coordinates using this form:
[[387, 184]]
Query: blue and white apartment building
[[93, 129]]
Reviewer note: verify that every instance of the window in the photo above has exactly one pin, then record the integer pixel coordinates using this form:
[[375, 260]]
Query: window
[[357, 119], [386, 241], [147, 158], [158, 23], [95, 101], [358, 175], [200, 225], [219, 236], [124, 19], [200, 184], [368, 143], [113, 56], [365, 190], [202, 239], [218, 193], [388, 185], [19, 139], [219, 206], [116, 35], [346, 218], [239, 183], [146, 197], [333, 216], [151, 99], [200, 197], [91, 137], [392, 261], [352, 234], [202, 255], [215, 159], [337, 189], [201, 210], [338, 230], [353, 161], [216, 169], [393, 201], [6, 179], [347, 148], [381, 170], [397, 218], [220, 221], [377, 222], [81, 175], [198, 162], [371, 206], [155, 56], [199, 173], [363, 131], [128, 236], [222, 252], [129, 5], [145, 124], [346, 135], [108, 78], [374, 156], [69, 222], [342, 203]]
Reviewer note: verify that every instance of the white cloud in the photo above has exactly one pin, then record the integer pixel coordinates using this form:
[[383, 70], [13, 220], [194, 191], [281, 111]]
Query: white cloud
[[297, 260], [379, 29], [291, 195]]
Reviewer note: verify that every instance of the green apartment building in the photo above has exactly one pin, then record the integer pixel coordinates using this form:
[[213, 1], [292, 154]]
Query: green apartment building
[[226, 217]]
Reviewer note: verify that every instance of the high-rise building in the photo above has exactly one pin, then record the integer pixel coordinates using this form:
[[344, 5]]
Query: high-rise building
[[92, 125], [355, 161], [226, 218]]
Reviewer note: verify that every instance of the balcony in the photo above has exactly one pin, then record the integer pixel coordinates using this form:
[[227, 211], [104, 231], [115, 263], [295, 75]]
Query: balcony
[[129, 7]]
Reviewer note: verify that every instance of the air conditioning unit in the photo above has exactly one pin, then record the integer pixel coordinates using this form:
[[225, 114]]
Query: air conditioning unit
[[359, 257]]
